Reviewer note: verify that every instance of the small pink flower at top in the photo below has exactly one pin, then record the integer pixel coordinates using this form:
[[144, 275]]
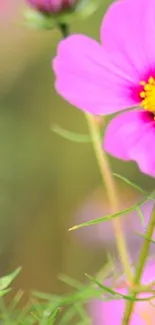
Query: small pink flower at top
[[111, 312], [52, 6], [115, 75]]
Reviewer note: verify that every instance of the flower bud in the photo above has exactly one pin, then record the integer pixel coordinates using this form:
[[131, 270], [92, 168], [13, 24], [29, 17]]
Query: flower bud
[[48, 14], [52, 6]]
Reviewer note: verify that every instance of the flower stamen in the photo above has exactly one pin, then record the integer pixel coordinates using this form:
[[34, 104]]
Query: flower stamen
[[148, 95]]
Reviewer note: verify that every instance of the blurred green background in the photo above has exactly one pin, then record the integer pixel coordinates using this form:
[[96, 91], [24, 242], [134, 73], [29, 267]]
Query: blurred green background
[[43, 177]]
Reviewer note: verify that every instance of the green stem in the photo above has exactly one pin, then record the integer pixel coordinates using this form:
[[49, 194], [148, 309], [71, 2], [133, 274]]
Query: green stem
[[64, 29], [111, 192], [140, 266]]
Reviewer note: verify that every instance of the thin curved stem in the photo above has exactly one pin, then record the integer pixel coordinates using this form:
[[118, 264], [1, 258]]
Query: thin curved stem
[[64, 29], [111, 192], [140, 266]]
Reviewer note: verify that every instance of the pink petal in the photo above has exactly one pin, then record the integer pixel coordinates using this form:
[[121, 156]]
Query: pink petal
[[88, 78], [111, 312], [128, 29], [130, 136]]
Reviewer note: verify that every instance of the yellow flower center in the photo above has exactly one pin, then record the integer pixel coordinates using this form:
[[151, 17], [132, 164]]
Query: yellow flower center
[[148, 95]]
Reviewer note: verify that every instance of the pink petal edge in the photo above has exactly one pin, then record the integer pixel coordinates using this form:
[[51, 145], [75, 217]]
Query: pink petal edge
[[87, 78], [130, 136], [132, 42]]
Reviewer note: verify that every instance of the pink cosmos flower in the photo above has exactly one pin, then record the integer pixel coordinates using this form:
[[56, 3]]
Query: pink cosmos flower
[[115, 75], [111, 312], [51, 6]]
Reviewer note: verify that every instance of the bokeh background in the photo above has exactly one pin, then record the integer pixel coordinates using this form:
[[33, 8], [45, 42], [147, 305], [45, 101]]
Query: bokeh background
[[46, 182]]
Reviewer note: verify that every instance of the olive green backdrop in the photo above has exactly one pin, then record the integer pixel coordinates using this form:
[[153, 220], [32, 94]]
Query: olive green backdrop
[[44, 178]]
